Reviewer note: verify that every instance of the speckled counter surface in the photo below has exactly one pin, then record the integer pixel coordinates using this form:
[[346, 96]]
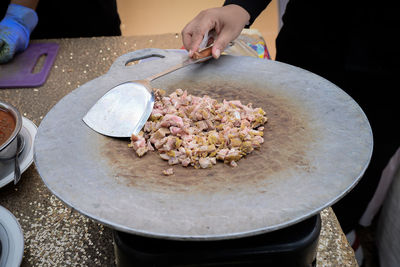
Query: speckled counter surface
[[54, 234]]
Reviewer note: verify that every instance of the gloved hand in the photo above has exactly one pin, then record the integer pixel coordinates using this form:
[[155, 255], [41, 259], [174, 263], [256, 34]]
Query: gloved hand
[[15, 30]]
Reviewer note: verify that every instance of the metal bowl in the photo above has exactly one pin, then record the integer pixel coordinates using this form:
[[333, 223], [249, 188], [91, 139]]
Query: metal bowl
[[9, 148]]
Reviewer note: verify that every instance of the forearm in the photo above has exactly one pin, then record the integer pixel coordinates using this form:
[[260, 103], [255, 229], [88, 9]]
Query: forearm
[[253, 7], [27, 3]]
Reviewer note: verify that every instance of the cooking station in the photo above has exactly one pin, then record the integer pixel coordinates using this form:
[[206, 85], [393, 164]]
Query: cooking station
[[55, 234]]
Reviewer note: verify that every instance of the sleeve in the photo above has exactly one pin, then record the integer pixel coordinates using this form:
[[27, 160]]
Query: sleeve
[[254, 7]]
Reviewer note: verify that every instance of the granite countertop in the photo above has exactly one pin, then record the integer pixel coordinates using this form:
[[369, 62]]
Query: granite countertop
[[56, 235]]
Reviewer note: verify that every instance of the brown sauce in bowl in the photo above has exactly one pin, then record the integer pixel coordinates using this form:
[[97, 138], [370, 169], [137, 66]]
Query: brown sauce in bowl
[[7, 126]]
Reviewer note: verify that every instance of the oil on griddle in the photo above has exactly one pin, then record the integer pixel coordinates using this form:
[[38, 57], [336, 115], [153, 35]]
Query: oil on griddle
[[286, 142]]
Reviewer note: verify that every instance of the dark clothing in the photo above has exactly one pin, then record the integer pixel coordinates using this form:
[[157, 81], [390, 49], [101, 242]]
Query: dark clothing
[[352, 44], [3, 8], [356, 35], [74, 18]]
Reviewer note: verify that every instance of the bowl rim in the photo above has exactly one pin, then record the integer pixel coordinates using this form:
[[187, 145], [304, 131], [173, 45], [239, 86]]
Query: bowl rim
[[18, 122]]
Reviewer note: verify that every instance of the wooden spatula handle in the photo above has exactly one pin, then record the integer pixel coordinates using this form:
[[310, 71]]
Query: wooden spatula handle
[[206, 52]]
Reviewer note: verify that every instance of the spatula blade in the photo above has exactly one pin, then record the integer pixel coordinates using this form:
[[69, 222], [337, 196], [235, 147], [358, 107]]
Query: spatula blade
[[122, 111]]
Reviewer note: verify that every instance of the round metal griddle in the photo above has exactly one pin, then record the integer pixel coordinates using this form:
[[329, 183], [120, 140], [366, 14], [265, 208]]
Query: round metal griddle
[[318, 142]]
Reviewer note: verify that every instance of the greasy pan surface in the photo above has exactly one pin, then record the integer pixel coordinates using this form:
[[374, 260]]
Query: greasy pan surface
[[318, 143]]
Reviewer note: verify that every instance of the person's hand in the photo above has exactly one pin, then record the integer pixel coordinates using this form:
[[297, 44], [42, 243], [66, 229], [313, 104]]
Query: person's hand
[[227, 21], [15, 30]]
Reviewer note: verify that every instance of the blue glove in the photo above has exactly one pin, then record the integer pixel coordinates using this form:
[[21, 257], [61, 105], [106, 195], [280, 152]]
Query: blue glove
[[15, 30]]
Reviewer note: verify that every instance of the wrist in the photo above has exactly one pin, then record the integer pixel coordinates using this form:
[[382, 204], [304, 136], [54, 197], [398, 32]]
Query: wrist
[[239, 13], [25, 16], [27, 3]]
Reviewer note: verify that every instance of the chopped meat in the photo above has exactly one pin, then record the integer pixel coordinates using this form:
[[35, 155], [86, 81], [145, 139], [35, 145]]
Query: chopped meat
[[176, 130], [160, 133], [201, 125], [170, 144], [197, 131], [171, 120], [185, 162], [141, 151], [149, 146], [205, 162], [221, 154], [164, 156], [168, 172], [173, 161], [134, 138], [138, 143]]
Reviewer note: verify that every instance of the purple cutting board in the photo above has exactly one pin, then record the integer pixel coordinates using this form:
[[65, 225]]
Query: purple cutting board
[[18, 72]]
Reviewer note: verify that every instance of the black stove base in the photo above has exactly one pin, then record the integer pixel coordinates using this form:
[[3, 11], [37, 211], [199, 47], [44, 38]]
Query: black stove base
[[292, 246]]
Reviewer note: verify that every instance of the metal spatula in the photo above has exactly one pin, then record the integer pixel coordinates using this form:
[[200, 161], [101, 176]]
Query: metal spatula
[[124, 109]]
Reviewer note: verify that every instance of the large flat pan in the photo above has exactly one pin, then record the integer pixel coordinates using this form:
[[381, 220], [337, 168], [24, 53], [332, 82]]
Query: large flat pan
[[318, 143]]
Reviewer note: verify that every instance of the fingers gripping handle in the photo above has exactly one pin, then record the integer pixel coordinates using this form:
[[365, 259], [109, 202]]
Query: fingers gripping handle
[[202, 54]]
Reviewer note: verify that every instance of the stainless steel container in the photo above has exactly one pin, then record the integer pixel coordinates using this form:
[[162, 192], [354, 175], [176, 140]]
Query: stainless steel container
[[9, 148]]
